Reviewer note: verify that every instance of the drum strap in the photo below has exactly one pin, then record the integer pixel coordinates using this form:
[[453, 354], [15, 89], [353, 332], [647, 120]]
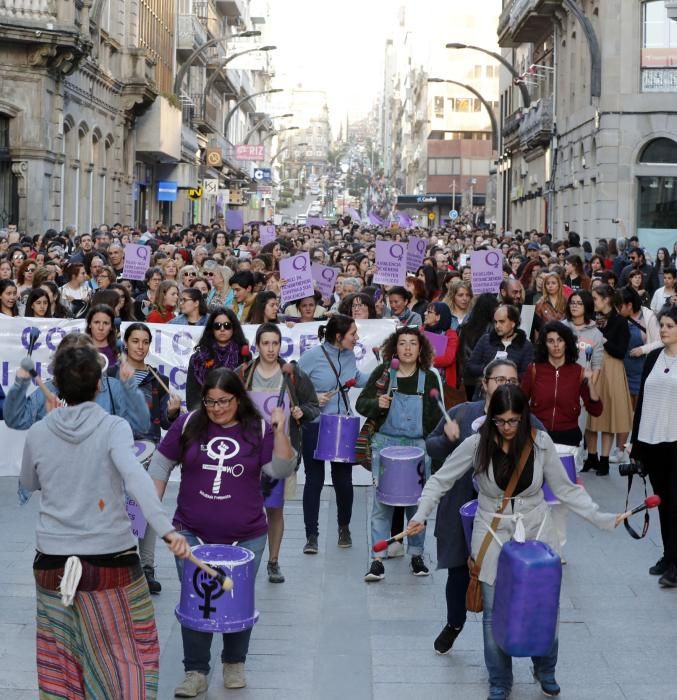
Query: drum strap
[[631, 530], [338, 379]]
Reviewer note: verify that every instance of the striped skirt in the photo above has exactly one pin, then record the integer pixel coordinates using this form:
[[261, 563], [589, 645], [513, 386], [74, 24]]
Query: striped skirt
[[103, 647]]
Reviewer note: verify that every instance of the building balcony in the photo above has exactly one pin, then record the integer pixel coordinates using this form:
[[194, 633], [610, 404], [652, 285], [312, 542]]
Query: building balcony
[[526, 21], [203, 113], [158, 132], [190, 36], [235, 10], [537, 124], [58, 32], [208, 17], [511, 127]]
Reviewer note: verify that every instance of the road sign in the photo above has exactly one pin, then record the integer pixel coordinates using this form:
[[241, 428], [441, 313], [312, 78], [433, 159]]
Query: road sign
[[453, 215], [214, 157], [262, 174], [431, 216], [195, 192], [210, 186]]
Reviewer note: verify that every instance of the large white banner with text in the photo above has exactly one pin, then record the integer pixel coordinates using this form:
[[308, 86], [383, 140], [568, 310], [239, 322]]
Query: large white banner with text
[[171, 348]]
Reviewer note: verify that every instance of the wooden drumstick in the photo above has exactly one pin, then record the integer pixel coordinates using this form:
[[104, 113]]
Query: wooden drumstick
[[382, 545], [159, 379], [225, 581]]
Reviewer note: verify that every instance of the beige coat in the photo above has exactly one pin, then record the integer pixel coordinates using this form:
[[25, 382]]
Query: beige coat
[[529, 506]]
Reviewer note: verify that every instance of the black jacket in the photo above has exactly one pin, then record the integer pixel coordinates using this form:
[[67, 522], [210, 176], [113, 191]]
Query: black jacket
[[520, 351]]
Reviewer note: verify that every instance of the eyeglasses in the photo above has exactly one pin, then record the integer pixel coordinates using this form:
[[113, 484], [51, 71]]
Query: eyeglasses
[[221, 403], [185, 300], [504, 380], [224, 326], [510, 422]]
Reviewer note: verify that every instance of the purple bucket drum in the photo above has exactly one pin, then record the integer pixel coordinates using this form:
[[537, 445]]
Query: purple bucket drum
[[401, 476], [204, 605], [337, 438], [569, 464], [143, 451], [467, 512], [526, 598]]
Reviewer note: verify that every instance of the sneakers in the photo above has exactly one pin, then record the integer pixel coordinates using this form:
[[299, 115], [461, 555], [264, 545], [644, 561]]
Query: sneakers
[[192, 685], [446, 638], [396, 549], [669, 578], [274, 573], [591, 463], [376, 572], [549, 686], [233, 676], [153, 586], [618, 455], [659, 568], [344, 538], [311, 545], [418, 568]]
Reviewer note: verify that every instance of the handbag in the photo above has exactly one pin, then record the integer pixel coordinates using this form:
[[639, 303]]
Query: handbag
[[363, 444], [473, 595]]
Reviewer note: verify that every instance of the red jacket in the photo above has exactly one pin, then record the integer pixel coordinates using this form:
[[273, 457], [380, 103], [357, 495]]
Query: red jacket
[[447, 362], [555, 395]]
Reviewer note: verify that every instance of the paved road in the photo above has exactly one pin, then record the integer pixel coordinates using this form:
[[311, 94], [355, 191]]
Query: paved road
[[326, 635]]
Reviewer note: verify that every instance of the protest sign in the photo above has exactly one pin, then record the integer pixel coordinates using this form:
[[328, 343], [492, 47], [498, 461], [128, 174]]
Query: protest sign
[[296, 271], [486, 268], [267, 234], [325, 278], [391, 263], [137, 261], [416, 248]]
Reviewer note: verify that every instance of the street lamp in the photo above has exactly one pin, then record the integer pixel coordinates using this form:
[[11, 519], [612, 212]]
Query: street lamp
[[487, 106], [181, 73], [279, 131], [236, 106], [526, 99], [286, 148], [261, 121]]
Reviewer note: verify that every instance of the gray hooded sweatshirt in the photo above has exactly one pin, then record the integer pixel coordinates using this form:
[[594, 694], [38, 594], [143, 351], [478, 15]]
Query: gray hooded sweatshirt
[[82, 460]]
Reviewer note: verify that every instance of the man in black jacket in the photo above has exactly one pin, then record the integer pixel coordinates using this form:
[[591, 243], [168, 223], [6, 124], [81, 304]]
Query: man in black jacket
[[638, 262]]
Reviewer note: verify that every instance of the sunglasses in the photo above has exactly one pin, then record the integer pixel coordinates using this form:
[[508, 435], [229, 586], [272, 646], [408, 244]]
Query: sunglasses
[[191, 274], [210, 274], [225, 326]]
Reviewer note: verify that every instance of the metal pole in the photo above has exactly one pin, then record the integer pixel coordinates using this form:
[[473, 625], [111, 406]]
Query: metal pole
[[236, 106]]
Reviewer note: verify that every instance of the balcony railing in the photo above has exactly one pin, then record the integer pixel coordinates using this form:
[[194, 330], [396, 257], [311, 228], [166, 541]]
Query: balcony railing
[[201, 112], [191, 34], [537, 124], [30, 10], [510, 130], [205, 11]]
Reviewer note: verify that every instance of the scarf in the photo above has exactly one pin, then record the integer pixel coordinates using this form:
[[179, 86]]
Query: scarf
[[207, 359], [444, 324]]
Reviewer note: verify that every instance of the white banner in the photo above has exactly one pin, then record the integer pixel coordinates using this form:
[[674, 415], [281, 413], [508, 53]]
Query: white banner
[[170, 350]]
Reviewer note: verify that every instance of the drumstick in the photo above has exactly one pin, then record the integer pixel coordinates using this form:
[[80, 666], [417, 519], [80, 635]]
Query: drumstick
[[649, 502], [159, 379], [434, 394], [225, 581], [382, 545]]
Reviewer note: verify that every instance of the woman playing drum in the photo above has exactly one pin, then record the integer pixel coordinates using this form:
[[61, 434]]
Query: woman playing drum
[[223, 446]]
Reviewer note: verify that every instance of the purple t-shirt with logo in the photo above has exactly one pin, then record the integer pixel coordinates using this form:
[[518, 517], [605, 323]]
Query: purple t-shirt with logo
[[220, 497]]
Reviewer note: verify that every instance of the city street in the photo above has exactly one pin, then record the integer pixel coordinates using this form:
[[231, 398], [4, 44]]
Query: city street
[[325, 634]]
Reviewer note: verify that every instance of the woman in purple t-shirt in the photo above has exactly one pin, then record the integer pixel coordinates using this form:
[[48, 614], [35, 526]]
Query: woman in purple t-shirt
[[223, 446]]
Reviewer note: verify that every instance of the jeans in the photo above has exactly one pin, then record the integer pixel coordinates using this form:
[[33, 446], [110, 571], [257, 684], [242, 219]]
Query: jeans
[[499, 664], [197, 645], [341, 477], [381, 523], [458, 578]]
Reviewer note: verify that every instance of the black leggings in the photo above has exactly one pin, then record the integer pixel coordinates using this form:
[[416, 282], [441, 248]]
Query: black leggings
[[458, 579], [661, 460], [341, 477]]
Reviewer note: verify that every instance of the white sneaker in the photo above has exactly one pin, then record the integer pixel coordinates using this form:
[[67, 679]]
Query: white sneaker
[[618, 455], [396, 549]]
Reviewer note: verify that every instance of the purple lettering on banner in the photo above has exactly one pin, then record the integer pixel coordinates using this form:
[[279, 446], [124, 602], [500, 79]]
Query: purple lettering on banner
[[267, 233], [296, 271], [391, 261], [486, 267], [416, 248], [234, 219], [266, 401], [137, 520], [325, 278], [137, 261]]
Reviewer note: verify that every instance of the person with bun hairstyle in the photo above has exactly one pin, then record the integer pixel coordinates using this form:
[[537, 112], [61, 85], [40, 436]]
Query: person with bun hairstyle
[[404, 413], [329, 366], [220, 345]]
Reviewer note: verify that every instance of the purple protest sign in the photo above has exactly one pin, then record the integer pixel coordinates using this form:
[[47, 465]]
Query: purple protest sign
[[296, 271], [438, 342], [316, 221], [416, 248], [137, 261], [267, 234], [234, 219], [137, 520], [486, 267], [266, 401], [391, 263], [325, 278]]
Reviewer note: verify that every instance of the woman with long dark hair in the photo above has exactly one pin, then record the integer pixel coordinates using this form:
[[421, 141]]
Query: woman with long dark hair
[[480, 320], [494, 454], [8, 297], [100, 326], [224, 413], [220, 346], [428, 276], [329, 365], [264, 309], [38, 304], [193, 308]]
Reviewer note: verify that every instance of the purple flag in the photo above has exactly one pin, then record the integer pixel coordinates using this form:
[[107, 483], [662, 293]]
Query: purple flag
[[404, 219], [234, 219], [354, 215], [376, 220]]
